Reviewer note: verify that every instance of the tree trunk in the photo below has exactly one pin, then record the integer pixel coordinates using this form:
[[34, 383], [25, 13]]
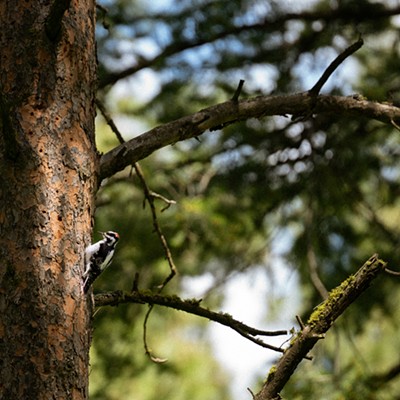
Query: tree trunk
[[48, 170]]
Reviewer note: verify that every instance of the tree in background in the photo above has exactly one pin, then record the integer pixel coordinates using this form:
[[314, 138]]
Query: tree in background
[[317, 172]]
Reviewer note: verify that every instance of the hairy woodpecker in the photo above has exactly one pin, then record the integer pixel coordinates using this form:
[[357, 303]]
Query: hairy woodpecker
[[98, 256]]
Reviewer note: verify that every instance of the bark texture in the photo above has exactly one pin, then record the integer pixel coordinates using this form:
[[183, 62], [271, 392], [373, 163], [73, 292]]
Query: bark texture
[[48, 168], [299, 105], [320, 321]]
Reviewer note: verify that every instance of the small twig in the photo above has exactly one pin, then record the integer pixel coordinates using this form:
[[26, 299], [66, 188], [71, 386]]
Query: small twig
[[295, 333], [135, 283], [109, 121], [236, 95], [168, 202], [260, 342], [391, 272], [102, 8], [314, 91], [252, 394], [149, 197], [149, 194], [148, 352], [104, 12], [395, 124], [300, 322]]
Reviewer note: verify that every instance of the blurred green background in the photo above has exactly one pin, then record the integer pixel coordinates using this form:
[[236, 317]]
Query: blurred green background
[[295, 205]]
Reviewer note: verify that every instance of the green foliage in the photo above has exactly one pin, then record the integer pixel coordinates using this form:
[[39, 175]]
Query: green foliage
[[328, 185], [120, 369]]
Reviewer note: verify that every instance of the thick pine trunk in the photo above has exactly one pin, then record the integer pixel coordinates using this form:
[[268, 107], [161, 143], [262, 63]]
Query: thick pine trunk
[[48, 169]]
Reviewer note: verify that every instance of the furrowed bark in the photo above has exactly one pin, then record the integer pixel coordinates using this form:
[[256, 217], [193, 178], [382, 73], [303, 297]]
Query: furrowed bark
[[48, 167]]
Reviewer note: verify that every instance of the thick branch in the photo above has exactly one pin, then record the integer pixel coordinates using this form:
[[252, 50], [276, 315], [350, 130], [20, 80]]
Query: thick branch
[[191, 307], [318, 324], [229, 112]]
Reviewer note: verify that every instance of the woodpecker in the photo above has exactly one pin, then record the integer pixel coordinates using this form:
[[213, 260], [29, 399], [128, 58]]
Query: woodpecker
[[98, 256]]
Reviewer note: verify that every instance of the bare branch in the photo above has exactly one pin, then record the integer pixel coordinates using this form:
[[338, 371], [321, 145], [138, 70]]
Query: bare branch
[[391, 272], [147, 350], [109, 121], [252, 394], [236, 95], [149, 196], [318, 324], [229, 112], [397, 126], [341, 14], [191, 306], [314, 91]]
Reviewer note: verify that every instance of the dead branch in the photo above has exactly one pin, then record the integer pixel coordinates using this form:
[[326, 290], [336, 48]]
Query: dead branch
[[314, 91], [318, 324], [109, 121], [191, 306], [230, 112], [149, 197]]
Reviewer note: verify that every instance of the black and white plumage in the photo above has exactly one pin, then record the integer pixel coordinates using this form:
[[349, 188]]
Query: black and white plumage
[[98, 256]]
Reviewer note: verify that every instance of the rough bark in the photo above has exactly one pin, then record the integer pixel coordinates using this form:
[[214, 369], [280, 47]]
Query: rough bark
[[48, 167]]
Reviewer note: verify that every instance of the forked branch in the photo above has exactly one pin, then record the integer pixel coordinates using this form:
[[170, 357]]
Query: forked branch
[[229, 112], [149, 197], [191, 306], [299, 105]]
